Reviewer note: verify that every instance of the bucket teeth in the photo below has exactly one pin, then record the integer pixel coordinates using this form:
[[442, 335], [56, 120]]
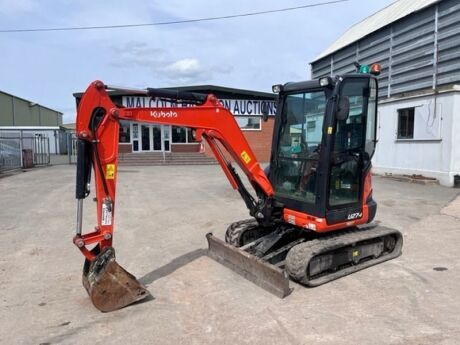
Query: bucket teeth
[[109, 285]]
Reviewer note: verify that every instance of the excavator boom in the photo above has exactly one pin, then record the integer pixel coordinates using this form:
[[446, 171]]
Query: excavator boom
[[108, 284]]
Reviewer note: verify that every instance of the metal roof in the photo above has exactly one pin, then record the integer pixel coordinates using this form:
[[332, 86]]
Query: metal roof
[[30, 102], [397, 10], [419, 51], [69, 126]]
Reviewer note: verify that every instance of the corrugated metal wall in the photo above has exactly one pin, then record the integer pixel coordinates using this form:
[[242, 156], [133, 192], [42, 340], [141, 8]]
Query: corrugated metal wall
[[449, 42], [417, 52], [15, 111]]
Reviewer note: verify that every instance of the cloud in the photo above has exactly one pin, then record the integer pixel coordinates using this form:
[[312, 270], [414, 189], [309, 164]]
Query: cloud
[[164, 65], [193, 71], [185, 69], [136, 53]]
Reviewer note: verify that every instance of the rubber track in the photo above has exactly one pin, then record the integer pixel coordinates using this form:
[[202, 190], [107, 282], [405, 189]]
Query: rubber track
[[236, 229], [299, 256]]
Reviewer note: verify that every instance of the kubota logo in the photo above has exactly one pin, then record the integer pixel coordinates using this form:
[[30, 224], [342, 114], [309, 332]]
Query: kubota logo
[[163, 114]]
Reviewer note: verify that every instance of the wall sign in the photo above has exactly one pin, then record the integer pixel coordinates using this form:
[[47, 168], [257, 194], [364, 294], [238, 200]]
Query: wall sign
[[245, 107]]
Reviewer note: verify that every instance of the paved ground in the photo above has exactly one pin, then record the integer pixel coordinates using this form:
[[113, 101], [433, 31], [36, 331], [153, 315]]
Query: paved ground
[[163, 215]]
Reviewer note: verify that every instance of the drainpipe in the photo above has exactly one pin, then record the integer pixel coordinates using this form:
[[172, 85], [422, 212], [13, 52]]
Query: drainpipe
[[14, 110], [332, 66], [435, 67], [390, 63], [435, 50], [20, 148]]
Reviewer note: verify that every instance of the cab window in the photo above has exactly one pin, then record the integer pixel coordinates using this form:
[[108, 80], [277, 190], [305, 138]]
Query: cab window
[[299, 145]]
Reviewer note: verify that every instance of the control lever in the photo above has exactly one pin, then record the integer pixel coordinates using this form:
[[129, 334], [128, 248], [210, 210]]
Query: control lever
[[356, 155]]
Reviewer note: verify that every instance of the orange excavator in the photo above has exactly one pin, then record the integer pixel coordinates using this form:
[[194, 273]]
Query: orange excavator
[[311, 209]]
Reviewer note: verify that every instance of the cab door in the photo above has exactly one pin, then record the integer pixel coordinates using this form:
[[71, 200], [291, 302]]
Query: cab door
[[352, 149]]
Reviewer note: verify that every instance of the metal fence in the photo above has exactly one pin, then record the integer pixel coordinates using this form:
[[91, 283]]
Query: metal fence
[[72, 148], [18, 152], [10, 154]]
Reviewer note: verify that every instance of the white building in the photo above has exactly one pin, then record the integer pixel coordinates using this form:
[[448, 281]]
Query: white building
[[417, 42]]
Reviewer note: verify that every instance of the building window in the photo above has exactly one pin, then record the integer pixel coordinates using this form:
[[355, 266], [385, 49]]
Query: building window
[[179, 134], [182, 135], [311, 125], [406, 123], [190, 138], [125, 135], [249, 122]]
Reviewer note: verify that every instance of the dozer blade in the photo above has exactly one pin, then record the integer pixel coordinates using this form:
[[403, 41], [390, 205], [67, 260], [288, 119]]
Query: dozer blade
[[263, 274], [109, 285]]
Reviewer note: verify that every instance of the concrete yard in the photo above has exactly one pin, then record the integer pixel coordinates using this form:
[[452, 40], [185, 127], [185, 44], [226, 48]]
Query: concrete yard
[[163, 214]]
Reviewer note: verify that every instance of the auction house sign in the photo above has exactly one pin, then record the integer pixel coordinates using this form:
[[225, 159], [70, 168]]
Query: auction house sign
[[246, 107]]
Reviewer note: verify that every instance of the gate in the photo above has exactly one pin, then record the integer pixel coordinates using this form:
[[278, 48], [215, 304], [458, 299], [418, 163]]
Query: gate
[[14, 147], [72, 148], [10, 154], [40, 148]]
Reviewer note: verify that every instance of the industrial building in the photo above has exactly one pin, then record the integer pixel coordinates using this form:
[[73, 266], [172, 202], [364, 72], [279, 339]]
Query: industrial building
[[29, 133], [23, 118], [417, 42], [142, 140]]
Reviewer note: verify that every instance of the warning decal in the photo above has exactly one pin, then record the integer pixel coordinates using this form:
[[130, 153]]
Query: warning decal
[[245, 157], [110, 172], [106, 215]]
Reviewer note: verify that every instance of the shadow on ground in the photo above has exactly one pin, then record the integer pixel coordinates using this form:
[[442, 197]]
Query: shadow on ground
[[174, 265]]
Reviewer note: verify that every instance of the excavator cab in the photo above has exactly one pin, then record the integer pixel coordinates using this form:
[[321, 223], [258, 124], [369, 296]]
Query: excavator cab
[[320, 169], [323, 144]]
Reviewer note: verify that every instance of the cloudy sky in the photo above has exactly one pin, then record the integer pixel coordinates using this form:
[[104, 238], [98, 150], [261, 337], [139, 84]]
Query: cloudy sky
[[249, 52]]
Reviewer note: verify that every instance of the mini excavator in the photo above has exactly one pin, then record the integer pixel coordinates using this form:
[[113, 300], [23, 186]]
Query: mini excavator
[[311, 209]]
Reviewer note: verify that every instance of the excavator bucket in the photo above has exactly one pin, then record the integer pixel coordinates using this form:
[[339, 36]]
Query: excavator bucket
[[267, 276], [109, 285]]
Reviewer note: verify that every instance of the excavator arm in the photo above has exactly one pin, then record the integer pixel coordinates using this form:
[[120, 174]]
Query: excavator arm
[[98, 133], [98, 130]]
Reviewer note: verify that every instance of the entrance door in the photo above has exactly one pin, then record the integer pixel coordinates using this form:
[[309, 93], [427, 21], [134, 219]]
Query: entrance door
[[150, 138], [166, 138], [135, 137], [145, 138], [156, 137]]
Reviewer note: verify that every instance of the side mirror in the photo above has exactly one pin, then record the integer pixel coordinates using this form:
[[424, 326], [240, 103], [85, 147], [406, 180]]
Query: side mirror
[[264, 111], [343, 108]]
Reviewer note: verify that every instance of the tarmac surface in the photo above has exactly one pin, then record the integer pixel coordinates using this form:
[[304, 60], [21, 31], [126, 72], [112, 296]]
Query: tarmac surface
[[163, 214]]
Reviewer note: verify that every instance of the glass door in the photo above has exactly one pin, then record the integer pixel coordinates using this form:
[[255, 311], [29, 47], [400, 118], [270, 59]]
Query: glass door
[[145, 138], [299, 146], [156, 137], [166, 138], [348, 154], [135, 137], [151, 138]]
